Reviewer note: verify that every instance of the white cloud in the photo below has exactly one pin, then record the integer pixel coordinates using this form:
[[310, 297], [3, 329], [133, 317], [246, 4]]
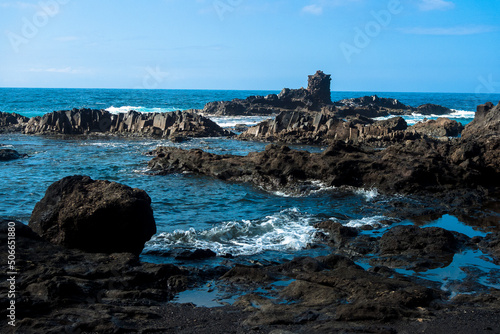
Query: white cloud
[[427, 5], [313, 9], [451, 31]]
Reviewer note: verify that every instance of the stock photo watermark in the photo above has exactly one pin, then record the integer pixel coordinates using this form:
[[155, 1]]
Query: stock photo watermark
[[363, 36], [487, 85], [11, 274], [153, 78], [225, 6], [31, 26]]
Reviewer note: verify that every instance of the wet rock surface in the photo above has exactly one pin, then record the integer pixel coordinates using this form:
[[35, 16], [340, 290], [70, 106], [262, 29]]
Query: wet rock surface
[[7, 154], [95, 216]]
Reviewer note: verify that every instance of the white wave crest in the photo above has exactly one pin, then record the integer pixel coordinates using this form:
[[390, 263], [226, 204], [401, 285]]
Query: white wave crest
[[125, 109], [231, 121], [288, 230], [373, 221]]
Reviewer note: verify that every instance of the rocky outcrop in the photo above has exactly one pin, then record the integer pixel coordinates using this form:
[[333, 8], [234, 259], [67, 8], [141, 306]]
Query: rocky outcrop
[[12, 122], [411, 247], [91, 121], [432, 109], [486, 123], [441, 127], [94, 216], [9, 154], [320, 128], [60, 290], [411, 167], [316, 96]]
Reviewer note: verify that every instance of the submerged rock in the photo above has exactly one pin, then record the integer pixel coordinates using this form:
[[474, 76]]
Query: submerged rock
[[94, 216], [9, 154]]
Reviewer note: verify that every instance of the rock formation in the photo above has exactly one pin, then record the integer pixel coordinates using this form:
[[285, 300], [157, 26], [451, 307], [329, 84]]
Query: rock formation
[[8, 154], [12, 122], [89, 121], [413, 166], [94, 216], [441, 127]]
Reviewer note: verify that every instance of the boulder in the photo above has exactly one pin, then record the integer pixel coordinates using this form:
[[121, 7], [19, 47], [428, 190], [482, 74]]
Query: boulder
[[433, 109], [441, 127], [8, 154], [94, 216], [12, 122]]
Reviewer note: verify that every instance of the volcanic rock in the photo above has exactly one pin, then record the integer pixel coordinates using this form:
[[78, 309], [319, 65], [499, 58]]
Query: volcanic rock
[[433, 109], [94, 216], [91, 121], [441, 127], [12, 122], [9, 154]]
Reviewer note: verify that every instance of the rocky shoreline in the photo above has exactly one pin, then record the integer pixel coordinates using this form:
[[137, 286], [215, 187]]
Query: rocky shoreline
[[78, 259]]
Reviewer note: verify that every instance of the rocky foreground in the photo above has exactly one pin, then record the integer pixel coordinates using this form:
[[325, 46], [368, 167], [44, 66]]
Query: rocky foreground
[[71, 279]]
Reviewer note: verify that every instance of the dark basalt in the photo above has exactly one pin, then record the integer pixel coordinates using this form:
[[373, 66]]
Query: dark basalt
[[418, 166], [90, 121], [95, 216], [441, 127], [9, 154], [12, 122]]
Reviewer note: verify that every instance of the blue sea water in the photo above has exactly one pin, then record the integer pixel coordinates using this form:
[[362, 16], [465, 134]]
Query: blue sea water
[[193, 211]]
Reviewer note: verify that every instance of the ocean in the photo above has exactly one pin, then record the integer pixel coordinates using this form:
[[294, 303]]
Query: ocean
[[200, 212]]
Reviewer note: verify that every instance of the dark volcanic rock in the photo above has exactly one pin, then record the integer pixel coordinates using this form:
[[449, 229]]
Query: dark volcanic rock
[[412, 167], [319, 88], [88, 121], [321, 128], [95, 216], [486, 122], [441, 127], [12, 122], [8, 154], [60, 290], [316, 96], [412, 247], [433, 109], [334, 288]]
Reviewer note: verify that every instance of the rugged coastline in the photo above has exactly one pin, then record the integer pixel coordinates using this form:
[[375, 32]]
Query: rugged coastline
[[79, 258]]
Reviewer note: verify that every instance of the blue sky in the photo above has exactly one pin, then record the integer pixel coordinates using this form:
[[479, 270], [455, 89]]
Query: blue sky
[[367, 45]]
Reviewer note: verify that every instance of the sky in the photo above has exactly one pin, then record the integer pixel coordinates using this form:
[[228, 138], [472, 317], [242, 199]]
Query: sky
[[366, 45]]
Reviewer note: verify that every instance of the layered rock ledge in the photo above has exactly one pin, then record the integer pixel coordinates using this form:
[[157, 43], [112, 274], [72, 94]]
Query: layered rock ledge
[[173, 125]]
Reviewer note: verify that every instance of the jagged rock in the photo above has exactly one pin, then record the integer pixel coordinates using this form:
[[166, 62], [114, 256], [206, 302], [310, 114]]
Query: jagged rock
[[486, 122], [374, 101], [320, 128], [412, 247], [433, 109], [319, 88], [8, 154], [314, 98], [94, 216], [12, 122], [89, 121], [98, 292], [441, 127]]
